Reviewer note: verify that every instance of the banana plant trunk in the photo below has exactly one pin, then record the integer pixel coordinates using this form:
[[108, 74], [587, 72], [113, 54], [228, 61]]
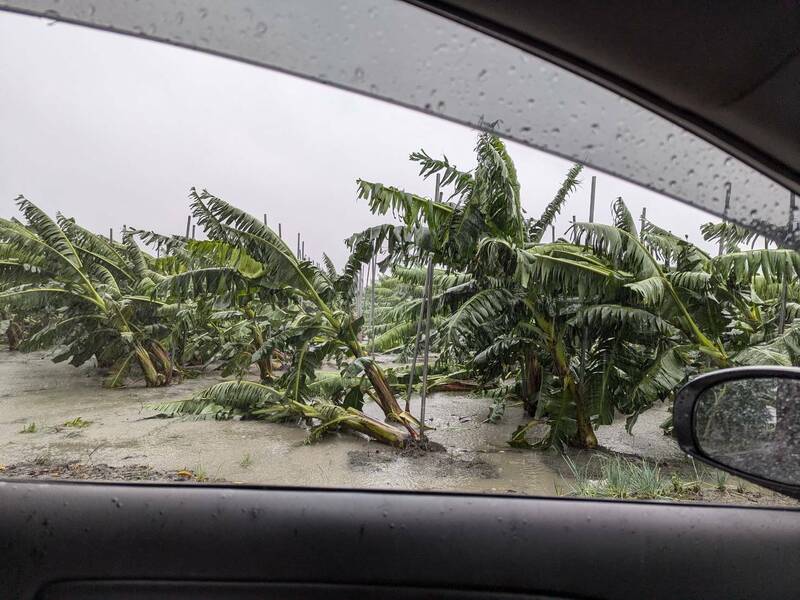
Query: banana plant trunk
[[387, 401], [162, 361], [355, 420], [531, 382], [148, 368], [154, 362], [14, 336], [264, 364], [584, 433]]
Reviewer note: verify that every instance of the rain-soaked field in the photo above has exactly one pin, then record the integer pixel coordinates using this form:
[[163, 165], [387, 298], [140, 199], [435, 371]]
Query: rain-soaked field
[[118, 437]]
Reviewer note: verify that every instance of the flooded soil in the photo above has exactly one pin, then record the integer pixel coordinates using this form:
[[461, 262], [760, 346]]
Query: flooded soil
[[58, 421]]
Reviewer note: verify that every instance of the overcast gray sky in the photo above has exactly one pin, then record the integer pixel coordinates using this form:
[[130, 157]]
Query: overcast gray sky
[[114, 130]]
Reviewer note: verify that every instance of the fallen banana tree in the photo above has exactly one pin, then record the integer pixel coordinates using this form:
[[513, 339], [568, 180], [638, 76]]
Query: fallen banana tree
[[250, 400]]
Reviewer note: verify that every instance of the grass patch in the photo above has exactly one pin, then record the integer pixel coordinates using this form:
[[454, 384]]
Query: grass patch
[[78, 422], [618, 477], [246, 462], [721, 480], [42, 459], [29, 428], [200, 473]]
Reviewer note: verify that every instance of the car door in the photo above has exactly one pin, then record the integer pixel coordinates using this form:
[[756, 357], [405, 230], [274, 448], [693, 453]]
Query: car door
[[203, 333]]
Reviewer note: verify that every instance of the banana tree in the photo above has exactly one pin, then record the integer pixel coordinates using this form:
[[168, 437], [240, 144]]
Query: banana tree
[[489, 321], [327, 325], [528, 310], [98, 289]]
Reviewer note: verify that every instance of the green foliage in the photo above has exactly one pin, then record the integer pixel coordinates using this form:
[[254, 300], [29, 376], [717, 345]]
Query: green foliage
[[77, 422], [95, 294], [29, 428], [608, 319], [619, 478]]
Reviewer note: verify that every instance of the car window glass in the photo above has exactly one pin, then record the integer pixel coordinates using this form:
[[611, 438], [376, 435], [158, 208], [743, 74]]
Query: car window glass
[[213, 271], [397, 51]]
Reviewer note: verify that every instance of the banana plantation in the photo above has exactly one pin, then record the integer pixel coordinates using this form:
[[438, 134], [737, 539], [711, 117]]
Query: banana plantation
[[467, 293]]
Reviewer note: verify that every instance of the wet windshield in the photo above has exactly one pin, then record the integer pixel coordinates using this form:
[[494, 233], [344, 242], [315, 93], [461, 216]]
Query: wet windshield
[[216, 272]]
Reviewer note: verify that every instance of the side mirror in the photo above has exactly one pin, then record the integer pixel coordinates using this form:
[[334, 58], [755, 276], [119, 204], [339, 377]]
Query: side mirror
[[745, 421]]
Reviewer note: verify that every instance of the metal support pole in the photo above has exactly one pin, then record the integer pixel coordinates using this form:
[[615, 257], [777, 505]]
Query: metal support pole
[[192, 231], [298, 244], [188, 225], [356, 283], [303, 250], [280, 231], [364, 289], [265, 219], [724, 216], [413, 370], [372, 311], [585, 338], [425, 357], [367, 276], [642, 222], [782, 311], [111, 235], [552, 233], [785, 283]]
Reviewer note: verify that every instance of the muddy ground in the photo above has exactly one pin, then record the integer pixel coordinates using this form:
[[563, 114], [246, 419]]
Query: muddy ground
[[118, 437]]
